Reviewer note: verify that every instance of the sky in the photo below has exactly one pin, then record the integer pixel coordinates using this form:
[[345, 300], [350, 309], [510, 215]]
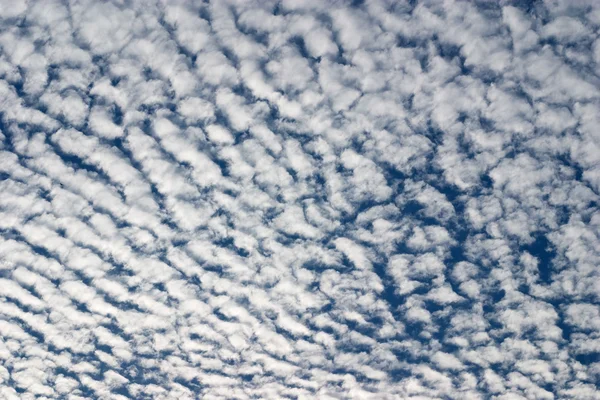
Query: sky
[[299, 199]]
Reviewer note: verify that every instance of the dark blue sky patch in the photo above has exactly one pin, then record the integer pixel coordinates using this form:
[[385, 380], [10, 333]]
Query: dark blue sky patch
[[588, 358], [542, 249]]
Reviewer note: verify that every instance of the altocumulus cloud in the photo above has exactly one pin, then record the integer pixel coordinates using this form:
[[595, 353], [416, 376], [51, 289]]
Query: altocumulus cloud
[[299, 199]]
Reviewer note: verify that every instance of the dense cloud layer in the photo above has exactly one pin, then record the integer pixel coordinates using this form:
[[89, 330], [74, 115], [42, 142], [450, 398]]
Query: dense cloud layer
[[299, 199]]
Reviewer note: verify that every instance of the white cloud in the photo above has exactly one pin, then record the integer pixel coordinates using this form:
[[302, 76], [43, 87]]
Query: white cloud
[[299, 200]]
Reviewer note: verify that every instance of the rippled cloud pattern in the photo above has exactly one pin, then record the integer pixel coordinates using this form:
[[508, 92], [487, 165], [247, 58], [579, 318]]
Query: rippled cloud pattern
[[299, 199]]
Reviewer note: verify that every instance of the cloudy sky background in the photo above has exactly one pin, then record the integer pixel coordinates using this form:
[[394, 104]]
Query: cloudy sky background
[[299, 199]]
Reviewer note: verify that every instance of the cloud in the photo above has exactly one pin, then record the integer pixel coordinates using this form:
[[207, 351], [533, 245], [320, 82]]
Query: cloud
[[299, 200]]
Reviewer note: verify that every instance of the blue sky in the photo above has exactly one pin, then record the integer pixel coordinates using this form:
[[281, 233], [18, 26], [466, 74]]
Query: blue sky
[[299, 199]]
